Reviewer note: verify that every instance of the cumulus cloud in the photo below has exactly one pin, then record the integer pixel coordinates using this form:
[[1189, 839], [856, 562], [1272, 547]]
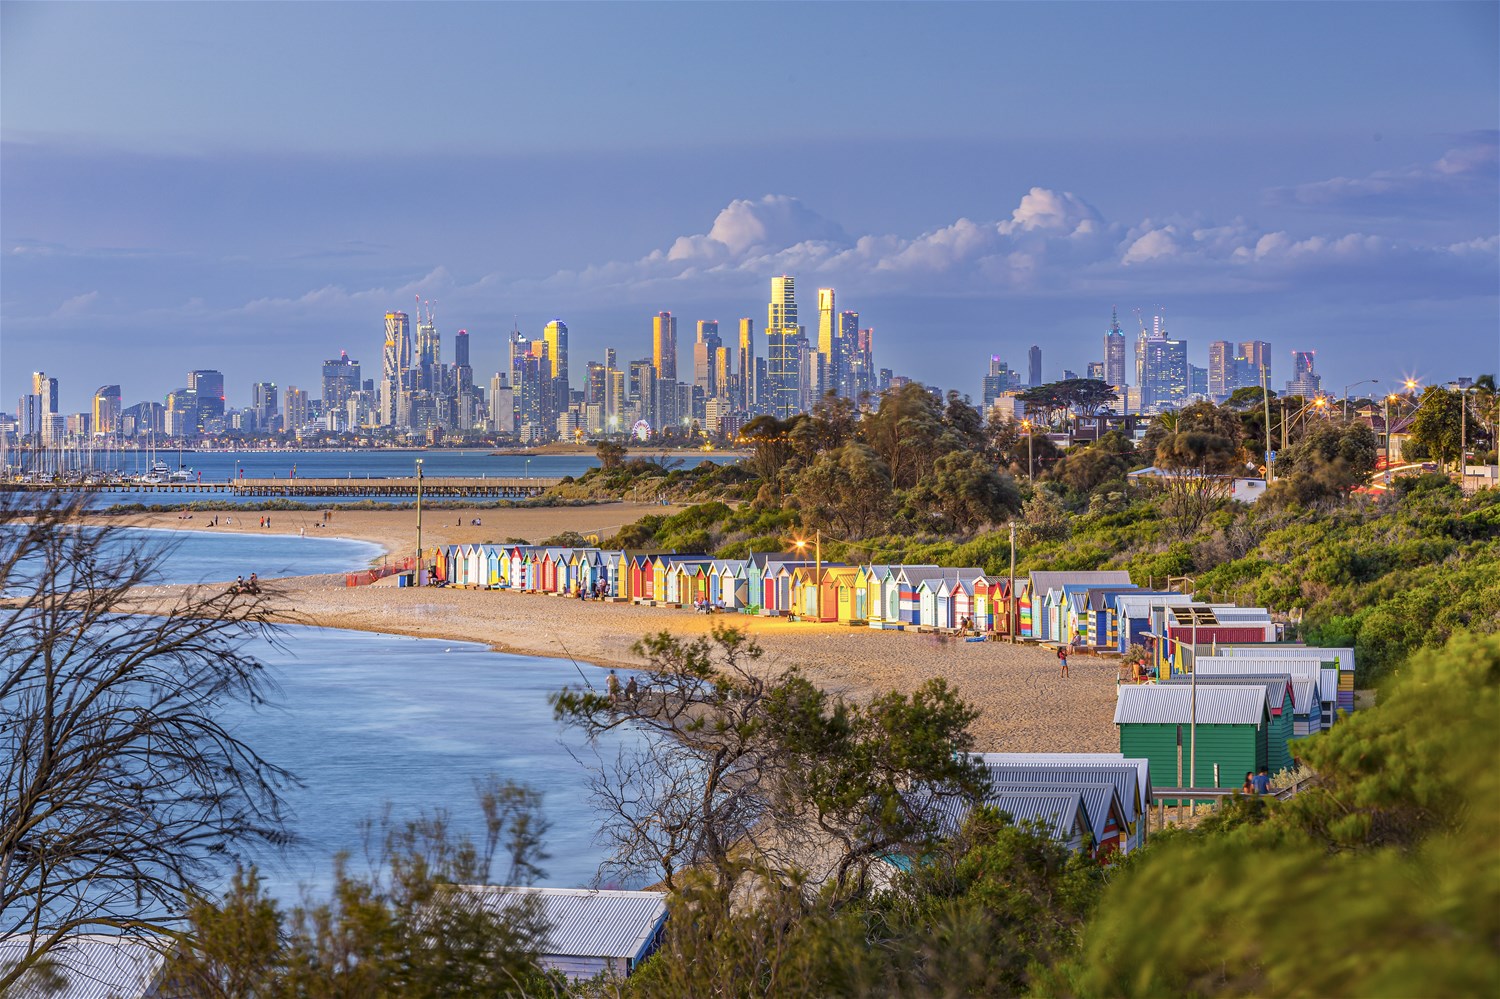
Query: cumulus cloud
[[1465, 172]]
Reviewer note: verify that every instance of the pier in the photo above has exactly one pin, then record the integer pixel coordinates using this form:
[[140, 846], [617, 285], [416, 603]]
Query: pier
[[433, 487]]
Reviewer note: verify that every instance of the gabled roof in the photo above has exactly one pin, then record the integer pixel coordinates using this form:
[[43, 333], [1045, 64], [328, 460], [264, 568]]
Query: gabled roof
[[92, 966], [1099, 799], [1101, 597], [1345, 657], [1123, 777], [1221, 665], [1278, 685], [1041, 582], [1106, 761], [1140, 604], [1170, 704], [583, 922], [1059, 812]]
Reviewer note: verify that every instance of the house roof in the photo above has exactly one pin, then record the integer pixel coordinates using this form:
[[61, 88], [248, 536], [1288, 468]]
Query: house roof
[[1104, 760], [1099, 799], [1140, 604], [1345, 657], [581, 921], [1122, 776], [1278, 685], [1041, 582], [1101, 597], [93, 966], [1170, 704]]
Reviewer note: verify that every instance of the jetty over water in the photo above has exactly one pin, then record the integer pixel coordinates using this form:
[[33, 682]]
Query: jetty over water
[[433, 487]]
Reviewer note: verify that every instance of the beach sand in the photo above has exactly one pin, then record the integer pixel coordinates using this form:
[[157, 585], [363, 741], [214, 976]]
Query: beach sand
[[1025, 705], [396, 530]]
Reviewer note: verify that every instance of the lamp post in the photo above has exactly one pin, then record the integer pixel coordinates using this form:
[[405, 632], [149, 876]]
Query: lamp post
[[1364, 381], [1010, 596], [1026, 424], [1389, 397], [817, 570], [419, 521], [1463, 431], [528, 468], [1265, 395]]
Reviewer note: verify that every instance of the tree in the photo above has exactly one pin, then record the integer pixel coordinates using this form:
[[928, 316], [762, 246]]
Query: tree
[[611, 454], [966, 491], [1196, 467], [907, 432], [413, 925], [120, 790], [742, 771], [1436, 426], [771, 448], [1327, 463], [846, 492], [1081, 395]]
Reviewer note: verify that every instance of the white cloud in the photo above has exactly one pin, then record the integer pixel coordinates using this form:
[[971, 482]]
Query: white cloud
[[77, 305], [1462, 174]]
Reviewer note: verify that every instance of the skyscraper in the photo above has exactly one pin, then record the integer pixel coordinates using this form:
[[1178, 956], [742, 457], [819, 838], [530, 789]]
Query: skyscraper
[[746, 365], [1114, 351], [845, 346], [997, 382], [263, 401], [46, 390], [664, 346], [395, 359], [1257, 355], [297, 410], [340, 380], [429, 355], [209, 385], [1305, 381], [107, 410], [705, 355], [1034, 366], [555, 335], [1222, 380], [783, 355], [828, 332]]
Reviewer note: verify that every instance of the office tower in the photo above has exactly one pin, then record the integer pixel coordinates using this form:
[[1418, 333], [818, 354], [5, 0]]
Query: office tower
[[1096, 371], [828, 333], [463, 371], [107, 410], [29, 418], [1222, 374], [705, 354], [865, 380], [1257, 355], [1165, 379], [340, 380], [643, 390], [1069, 374], [594, 384], [395, 358], [1034, 365], [664, 346], [263, 401], [997, 382], [1197, 381], [502, 404], [845, 344], [746, 365], [784, 350], [297, 411], [46, 390], [1305, 382], [209, 388], [812, 380], [555, 336], [723, 371], [1114, 351]]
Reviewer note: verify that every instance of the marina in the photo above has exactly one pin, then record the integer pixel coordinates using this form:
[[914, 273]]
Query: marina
[[368, 487]]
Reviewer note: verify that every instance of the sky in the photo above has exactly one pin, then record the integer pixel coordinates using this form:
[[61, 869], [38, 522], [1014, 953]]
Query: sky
[[250, 187]]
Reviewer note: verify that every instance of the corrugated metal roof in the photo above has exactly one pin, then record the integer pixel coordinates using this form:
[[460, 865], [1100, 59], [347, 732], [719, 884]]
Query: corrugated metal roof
[[585, 922], [1242, 615], [1277, 685], [1124, 778], [1229, 665], [1305, 695], [94, 966], [1345, 657], [1041, 582], [1103, 760], [1140, 604], [1098, 799], [1058, 811], [1170, 704]]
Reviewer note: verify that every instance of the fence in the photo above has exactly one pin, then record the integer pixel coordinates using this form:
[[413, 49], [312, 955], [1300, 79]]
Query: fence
[[368, 576]]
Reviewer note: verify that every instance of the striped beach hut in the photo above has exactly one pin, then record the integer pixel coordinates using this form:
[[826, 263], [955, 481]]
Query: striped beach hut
[[1310, 666], [1155, 721], [1040, 584], [1133, 614], [1102, 627], [1337, 682], [734, 588]]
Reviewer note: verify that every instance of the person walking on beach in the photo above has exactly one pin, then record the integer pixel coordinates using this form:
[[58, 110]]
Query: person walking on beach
[[631, 690], [1062, 658]]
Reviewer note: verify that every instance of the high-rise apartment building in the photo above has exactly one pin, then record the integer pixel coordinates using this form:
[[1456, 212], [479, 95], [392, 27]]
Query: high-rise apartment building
[[298, 413], [1305, 381], [828, 335], [1257, 357], [664, 346], [1096, 371], [502, 404], [1165, 382], [395, 360], [340, 380], [209, 388], [429, 355], [263, 402], [1114, 351], [997, 382], [747, 366], [45, 389], [1222, 374], [705, 359], [555, 336], [107, 410], [784, 350], [845, 345], [1034, 366]]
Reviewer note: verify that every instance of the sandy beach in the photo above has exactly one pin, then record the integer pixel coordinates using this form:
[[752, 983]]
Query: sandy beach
[[396, 530], [1026, 706]]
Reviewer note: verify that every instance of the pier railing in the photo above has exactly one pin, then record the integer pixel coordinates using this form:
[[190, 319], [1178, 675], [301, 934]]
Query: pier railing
[[434, 487]]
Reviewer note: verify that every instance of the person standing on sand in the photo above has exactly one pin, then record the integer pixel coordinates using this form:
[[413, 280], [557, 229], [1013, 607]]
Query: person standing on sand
[[613, 685], [1062, 657]]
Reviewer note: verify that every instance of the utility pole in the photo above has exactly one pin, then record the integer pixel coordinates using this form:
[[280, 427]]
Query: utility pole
[[818, 573], [1265, 395], [1010, 596], [419, 521]]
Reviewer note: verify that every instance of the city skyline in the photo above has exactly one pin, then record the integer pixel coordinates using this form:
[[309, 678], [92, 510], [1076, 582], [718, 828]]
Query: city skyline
[[980, 203]]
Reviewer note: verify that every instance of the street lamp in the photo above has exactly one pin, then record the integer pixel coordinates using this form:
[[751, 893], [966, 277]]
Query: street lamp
[[528, 468], [1364, 381], [419, 521], [1026, 425], [1391, 397], [801, 545]]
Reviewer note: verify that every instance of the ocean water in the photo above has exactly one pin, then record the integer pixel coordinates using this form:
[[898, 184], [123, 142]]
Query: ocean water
[[369, 721], [200, 554]]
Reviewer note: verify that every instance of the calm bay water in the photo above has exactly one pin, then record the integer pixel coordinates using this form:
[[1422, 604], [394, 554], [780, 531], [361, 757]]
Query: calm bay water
[[367, 720], [202, 554]]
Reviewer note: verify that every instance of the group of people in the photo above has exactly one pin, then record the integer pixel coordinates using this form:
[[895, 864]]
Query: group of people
[[630, 693], [243, 585], [1257, 783], [703, 605], [598, 591]]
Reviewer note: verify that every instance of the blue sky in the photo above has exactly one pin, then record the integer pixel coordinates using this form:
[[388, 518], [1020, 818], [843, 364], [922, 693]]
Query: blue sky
[[251, 186]]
